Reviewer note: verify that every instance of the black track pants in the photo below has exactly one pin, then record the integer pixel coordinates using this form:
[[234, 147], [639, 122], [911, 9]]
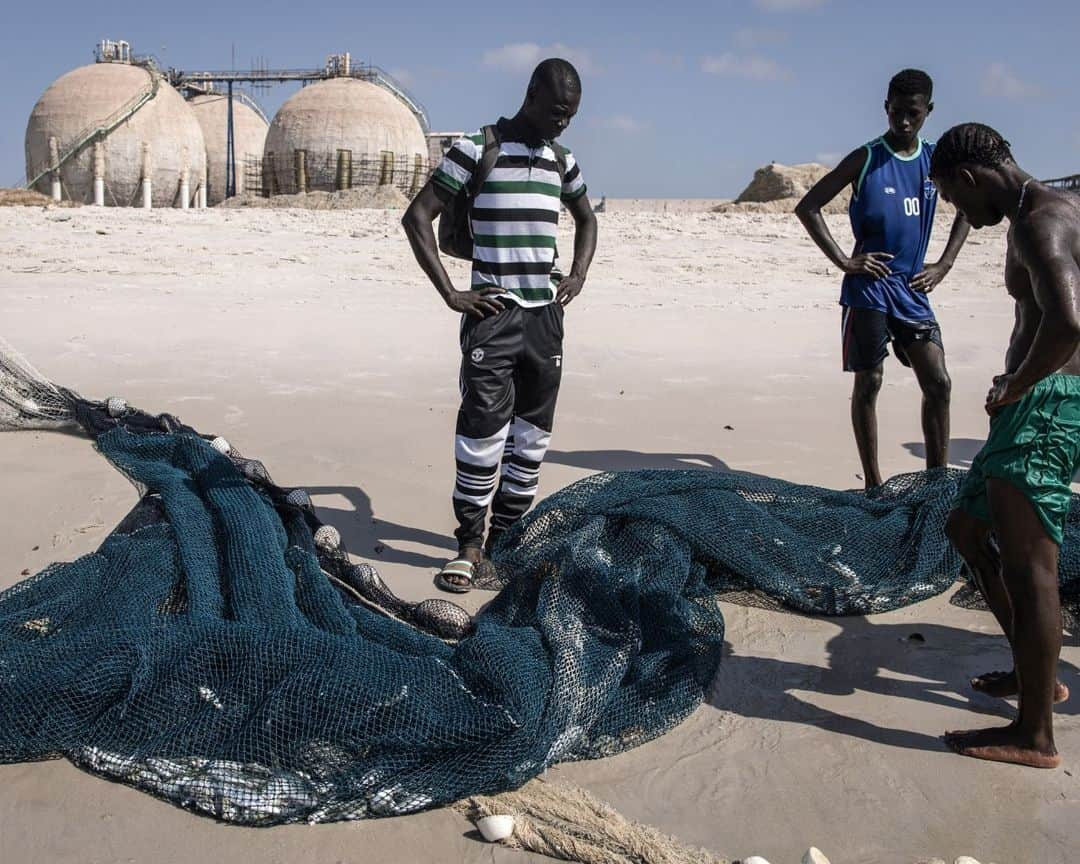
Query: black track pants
[[511, 367]]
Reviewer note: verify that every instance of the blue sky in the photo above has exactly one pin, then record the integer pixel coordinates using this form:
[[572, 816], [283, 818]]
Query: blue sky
[[681, 98]]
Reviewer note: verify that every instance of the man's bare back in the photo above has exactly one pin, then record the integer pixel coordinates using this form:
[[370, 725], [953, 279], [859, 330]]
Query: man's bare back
[[1055, 215]]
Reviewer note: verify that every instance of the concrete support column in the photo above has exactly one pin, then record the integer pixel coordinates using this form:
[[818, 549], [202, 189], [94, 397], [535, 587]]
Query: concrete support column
[[300, 170], [185, 180], [343, 178], [203, 197], [418, 174], [54, 163], [269, 178], [147, 186], [99, 174]]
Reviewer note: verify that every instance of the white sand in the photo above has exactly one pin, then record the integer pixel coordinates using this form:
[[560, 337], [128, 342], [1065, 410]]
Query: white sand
[[311, 340]]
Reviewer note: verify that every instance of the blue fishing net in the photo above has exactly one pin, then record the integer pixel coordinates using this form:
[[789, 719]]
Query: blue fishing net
[[212, 653]]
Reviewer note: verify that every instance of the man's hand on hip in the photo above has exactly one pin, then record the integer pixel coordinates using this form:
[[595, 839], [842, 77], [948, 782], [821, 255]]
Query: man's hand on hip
[[479, 303]]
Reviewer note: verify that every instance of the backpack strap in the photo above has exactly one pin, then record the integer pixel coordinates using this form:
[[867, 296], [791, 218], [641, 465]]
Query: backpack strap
[[487, 161]]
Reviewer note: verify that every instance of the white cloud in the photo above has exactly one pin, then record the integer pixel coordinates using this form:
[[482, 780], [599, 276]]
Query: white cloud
[[749, 66], [581, 58], [1000, 80], [751, 37], [619, 123], [517, 56], [828, 159], [403, 76], [788, 5], [523, 56]]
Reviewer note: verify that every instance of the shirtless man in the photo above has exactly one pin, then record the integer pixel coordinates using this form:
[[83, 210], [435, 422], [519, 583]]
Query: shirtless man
[[1011, 510]]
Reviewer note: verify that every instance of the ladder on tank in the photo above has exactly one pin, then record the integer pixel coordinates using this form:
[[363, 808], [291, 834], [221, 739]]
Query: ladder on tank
[[89, 134]]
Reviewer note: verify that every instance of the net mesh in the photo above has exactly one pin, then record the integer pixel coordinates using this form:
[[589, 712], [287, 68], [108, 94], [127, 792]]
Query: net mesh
[[215, 653]]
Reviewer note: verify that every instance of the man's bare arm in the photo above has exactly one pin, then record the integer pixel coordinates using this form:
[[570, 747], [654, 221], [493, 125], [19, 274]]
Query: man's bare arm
[[584, 248], [874, 264], [1018, 347], [1046, 251], [425, 208], [928, 278]]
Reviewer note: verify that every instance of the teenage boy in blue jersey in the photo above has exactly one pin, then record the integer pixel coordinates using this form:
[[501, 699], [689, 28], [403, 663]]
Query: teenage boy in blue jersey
[[885, 288]]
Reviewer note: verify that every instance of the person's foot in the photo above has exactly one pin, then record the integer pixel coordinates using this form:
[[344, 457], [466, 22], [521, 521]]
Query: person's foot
[[456, 577], [1003, 744], [1003, 685]]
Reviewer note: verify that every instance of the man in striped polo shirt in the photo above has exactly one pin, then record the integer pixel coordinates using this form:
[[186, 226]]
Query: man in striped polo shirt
[[512, 314]]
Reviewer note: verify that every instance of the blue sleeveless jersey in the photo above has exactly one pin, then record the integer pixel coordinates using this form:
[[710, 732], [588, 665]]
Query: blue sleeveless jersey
[[892, 210]]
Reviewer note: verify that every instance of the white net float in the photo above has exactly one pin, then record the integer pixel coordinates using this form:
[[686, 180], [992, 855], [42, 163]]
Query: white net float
[[327, 538], [298, 498]]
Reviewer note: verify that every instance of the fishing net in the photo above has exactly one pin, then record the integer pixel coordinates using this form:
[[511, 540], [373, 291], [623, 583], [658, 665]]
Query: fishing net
[[220, 649]]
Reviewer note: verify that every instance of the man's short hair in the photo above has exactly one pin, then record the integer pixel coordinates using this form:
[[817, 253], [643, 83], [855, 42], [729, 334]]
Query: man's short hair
[[911, 82], [553, 72], [969, 144]]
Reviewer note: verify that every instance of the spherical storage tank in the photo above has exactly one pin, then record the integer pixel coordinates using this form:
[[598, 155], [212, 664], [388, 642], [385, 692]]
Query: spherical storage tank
[[342, 114], [146, 122], [249, 135]]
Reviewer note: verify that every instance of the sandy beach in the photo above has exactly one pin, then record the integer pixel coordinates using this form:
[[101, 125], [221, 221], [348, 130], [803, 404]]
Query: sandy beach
[[702, 340]]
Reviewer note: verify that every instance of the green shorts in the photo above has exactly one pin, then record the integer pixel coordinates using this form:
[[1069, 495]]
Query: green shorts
[[1034, 444]]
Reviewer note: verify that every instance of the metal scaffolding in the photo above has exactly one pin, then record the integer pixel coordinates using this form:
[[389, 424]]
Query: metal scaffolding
[[1069, 184], [337, 66]]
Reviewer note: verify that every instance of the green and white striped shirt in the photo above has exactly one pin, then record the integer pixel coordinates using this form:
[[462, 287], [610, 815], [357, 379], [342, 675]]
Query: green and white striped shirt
[[515, 215]]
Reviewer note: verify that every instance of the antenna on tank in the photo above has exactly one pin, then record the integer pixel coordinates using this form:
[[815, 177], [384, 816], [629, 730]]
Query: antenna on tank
[[113, 51]]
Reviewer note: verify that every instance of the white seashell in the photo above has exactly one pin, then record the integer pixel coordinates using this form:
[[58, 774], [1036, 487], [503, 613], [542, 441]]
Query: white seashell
[[495, 828], [813, 855], [116, 406], [965, 859], [221, 445], [327, 538], [754, 859]]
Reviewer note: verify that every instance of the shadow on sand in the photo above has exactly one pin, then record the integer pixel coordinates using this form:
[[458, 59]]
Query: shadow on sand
[[373, 538], [929, 663], [961, 450], [633, 460]]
